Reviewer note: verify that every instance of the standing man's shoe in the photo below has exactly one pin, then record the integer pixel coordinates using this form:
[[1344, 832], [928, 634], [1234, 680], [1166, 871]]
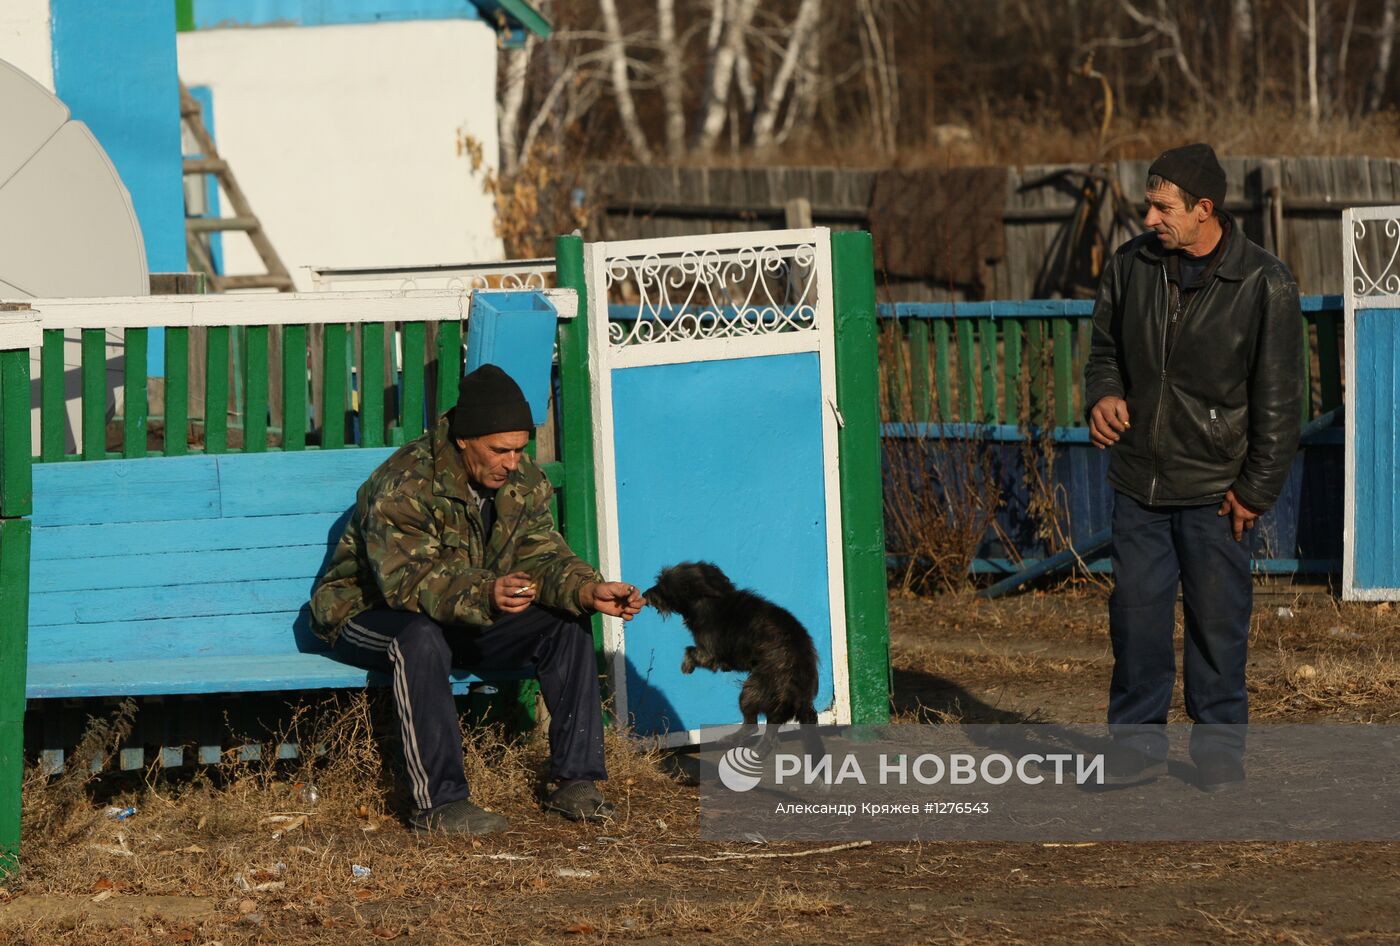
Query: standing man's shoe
[[579, 801], [1219, 773], [457, 817], [1125, 766]]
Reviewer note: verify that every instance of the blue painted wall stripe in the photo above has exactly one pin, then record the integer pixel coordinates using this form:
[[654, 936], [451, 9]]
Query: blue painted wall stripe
[[217, 14], [1376, 448]]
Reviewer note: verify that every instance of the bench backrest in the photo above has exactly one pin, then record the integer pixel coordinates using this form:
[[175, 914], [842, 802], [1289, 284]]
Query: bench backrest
[[141, 569]]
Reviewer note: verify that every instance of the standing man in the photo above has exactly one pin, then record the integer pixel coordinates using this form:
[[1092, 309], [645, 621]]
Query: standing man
[[451, 559], [1193, 384]]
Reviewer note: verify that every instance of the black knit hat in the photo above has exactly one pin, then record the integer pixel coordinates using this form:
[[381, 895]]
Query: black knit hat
[[489, 402], [1194, 169]]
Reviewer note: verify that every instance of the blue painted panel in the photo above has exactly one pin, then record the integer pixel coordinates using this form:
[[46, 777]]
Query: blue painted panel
[[229, 635], [719, 461], [515, 331], [1030, 308], [213, 14], [177, 568], [129, 538], [280, 484], [84, 493], [1376, 553], [114, 67], [191, 600]]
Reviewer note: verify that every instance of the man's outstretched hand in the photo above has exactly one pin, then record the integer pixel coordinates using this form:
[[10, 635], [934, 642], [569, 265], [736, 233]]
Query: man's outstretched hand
[[1241, 516], [513, 593], [617, 598], [1107, 421]]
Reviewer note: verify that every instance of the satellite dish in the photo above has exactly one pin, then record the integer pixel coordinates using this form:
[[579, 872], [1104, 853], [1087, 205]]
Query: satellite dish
[[69, 228]]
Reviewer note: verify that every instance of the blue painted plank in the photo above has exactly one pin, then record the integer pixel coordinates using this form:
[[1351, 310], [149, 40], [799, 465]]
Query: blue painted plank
[[1376, 449], [176, 568], [138, 490], [237, 635], [209, 599], [279, 484], [222, 14], [211, 675], [131, 538], [1008, 308]]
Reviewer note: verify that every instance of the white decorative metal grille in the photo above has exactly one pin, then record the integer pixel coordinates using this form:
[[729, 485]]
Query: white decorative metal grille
[[695, 295], [1375, 249]]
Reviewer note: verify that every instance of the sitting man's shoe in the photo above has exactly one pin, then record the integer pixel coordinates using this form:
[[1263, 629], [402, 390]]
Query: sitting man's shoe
[[1125, 766], [579, 801], [1219, 773], [458, 817]]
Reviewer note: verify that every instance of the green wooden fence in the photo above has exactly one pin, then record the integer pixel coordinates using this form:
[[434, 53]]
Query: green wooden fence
[[1008, 365]]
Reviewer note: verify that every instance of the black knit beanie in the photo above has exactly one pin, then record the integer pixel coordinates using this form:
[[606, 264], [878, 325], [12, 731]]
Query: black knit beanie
[[489, 402], [1194, 169]]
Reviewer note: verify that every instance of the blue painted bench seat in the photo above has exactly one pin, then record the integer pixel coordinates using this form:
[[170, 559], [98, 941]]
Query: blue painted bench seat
[[187, 574]]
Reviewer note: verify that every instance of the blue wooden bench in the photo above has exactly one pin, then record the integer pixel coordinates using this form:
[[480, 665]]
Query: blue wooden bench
[[187, 575]]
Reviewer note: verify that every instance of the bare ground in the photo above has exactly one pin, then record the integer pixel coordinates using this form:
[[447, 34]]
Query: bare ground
[[227, 857]]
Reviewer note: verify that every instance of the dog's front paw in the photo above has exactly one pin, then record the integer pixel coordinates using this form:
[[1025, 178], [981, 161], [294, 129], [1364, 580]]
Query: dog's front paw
[[688, 665]]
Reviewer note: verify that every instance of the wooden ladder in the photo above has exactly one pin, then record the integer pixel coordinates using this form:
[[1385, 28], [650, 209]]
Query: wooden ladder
[[243, 217]]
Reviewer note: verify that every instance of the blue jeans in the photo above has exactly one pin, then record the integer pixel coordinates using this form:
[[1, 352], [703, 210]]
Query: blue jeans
[[1154, 548]]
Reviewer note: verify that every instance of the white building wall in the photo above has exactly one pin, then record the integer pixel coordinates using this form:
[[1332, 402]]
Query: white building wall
[[349, 141], [26, 41]]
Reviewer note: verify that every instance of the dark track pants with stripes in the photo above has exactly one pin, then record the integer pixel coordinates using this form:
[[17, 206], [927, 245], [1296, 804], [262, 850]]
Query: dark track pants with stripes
[[418, 653]]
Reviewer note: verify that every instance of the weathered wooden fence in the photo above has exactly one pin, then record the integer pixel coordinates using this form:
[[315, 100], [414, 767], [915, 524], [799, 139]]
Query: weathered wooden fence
[[1291, 206]]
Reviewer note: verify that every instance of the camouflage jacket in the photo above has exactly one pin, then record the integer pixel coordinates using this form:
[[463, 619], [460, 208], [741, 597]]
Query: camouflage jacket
[[414, 542]]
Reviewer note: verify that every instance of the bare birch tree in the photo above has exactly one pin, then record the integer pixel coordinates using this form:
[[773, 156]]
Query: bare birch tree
[[622, 85], [672, 83], [1385, 46], [512, 103], [714, 103], [767, 116]]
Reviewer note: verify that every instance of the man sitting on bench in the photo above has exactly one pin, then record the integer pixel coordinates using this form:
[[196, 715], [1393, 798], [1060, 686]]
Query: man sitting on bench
[[451, 558]]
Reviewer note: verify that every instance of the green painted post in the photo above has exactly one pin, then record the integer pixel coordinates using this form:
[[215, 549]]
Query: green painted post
[[862, 503], [372, 384], [177, 391], [216, 391], [1064, 373], [94, 372], [255, 385], [1329, 361], [294, 387], [1035, 373], [1307, 409], [967, 372], [580, 523], [52, 416], [16, 502], [134, 394]]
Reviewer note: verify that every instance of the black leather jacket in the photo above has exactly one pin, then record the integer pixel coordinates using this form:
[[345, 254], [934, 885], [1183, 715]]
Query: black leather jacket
[[1214, 396]]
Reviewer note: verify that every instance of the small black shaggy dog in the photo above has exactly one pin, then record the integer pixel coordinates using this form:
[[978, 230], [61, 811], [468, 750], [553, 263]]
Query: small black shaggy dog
[[735, 629]]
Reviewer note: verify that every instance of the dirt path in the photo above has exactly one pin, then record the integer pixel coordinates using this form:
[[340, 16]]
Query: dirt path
[[202, 869]]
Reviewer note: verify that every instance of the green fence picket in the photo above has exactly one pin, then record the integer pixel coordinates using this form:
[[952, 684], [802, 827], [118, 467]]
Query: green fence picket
[[1064, 371], [987, 343], [411, 403], [255, 385], [372, 384], [449, 364], [53, 418], [967, 372], [177, 391], [134, 408], [216, 390], [333, 389], [1329, 361], [1011, 369], [94, 372], [943, 370], [294, 387], [919, 393], [1306, 412]]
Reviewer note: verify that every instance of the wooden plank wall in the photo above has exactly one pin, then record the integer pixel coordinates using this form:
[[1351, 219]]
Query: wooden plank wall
[[644, 202]]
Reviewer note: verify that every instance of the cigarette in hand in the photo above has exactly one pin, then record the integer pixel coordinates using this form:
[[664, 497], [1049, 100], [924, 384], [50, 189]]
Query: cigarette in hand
[[522, 590]]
